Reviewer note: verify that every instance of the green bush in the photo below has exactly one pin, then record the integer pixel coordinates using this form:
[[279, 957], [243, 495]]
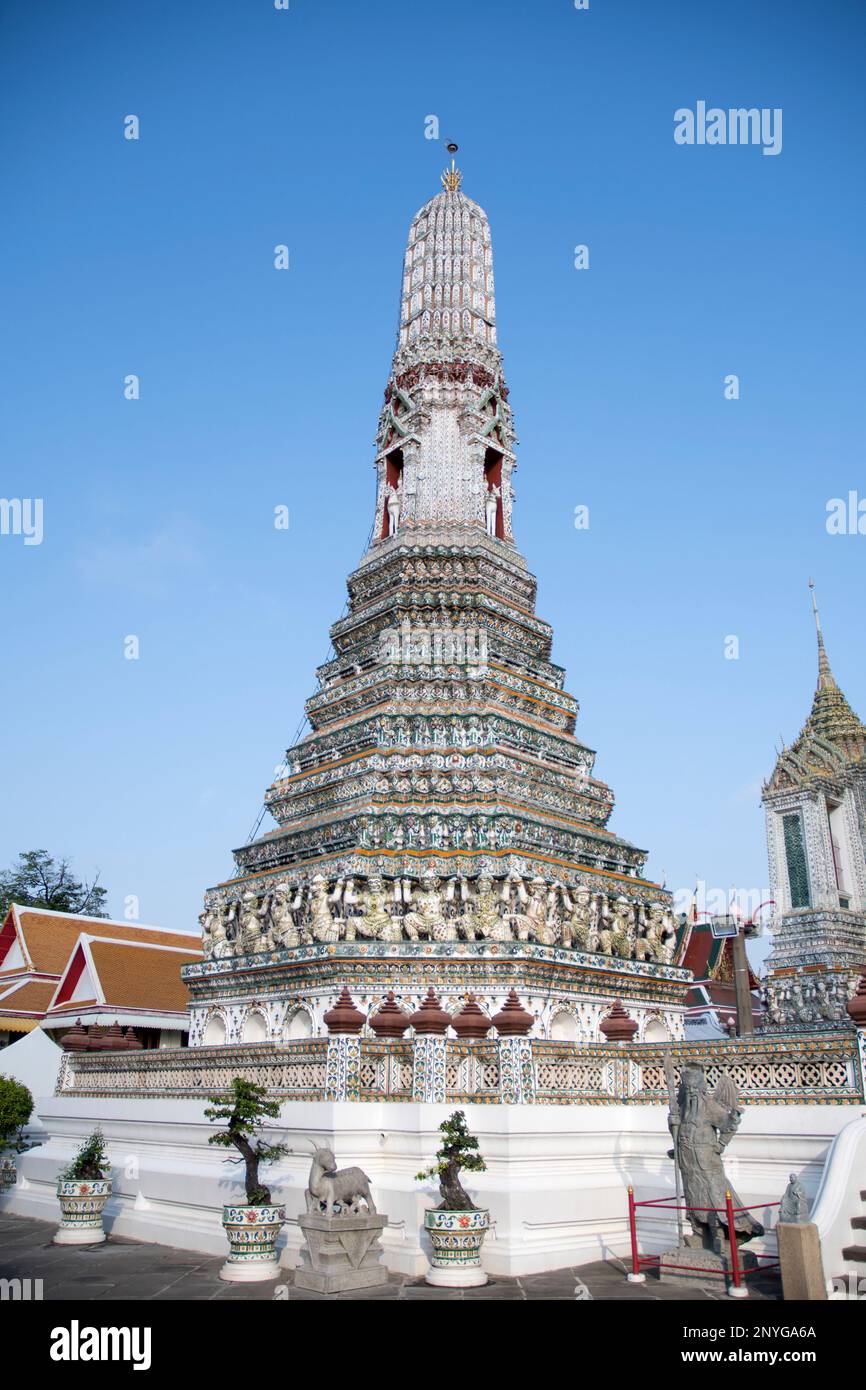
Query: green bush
[[245, 1111], [16, 1107], [459, 1151], [91, 1161]]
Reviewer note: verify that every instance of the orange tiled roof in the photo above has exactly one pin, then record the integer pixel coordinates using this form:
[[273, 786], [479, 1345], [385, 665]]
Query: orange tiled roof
[[138, 977], [50, 937], [31, 997]]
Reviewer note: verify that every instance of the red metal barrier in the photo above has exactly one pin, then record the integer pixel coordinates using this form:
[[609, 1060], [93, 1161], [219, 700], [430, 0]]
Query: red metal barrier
[[737, 1272], [635, 1257]]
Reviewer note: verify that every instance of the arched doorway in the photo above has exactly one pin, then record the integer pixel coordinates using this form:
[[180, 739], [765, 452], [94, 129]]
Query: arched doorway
[[300, 1025], [563, 1027], [255, 1027], [215, 1031]]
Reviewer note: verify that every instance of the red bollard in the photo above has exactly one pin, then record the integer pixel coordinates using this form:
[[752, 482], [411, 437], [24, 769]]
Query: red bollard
[[635, 1277], [738, 1288]]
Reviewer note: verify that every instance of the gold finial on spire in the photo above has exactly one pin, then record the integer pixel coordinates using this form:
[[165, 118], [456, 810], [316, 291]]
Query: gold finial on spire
[[451, 178]]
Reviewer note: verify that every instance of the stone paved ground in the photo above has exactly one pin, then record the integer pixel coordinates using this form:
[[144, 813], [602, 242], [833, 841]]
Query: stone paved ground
[[130, 1269]]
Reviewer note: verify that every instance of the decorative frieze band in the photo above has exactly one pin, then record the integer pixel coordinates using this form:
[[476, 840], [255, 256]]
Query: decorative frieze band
[[795, 1069]]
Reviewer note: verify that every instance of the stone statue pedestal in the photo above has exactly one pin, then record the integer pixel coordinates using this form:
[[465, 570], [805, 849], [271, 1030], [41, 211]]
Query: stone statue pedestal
[[341, 1252], [708, 1269]]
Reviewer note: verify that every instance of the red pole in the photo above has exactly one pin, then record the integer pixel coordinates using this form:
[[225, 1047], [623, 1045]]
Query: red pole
[[635, 1276], [738, 1291]]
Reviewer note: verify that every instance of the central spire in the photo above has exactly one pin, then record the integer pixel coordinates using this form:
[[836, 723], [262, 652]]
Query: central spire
[[442, 815], [448, 271], [445, 444]]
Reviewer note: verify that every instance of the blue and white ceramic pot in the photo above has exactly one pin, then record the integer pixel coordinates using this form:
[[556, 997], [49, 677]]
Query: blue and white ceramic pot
[[456, 1237]]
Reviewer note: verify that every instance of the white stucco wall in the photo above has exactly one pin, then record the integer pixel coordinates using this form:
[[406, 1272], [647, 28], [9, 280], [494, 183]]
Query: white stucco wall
[[556, 1180]]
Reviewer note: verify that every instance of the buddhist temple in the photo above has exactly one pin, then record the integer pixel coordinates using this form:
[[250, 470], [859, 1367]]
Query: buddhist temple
[[815, 803], [442, 914], [56, 967], [441, 824]]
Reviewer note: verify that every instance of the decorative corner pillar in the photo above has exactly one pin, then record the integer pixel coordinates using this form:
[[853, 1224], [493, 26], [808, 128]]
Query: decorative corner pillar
[[343, 1068], [516, 1071], [428, 1068], [856, 1009], [861, 1050], [65, 1075]]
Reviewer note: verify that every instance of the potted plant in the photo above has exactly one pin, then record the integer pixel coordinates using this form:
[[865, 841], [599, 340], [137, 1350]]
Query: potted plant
[[456, 1227], [252, 1228], [16, 1107], [83, 1188]]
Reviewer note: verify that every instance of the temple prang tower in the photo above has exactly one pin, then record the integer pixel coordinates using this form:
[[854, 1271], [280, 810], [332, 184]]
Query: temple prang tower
[[440, 824], [815, 804]]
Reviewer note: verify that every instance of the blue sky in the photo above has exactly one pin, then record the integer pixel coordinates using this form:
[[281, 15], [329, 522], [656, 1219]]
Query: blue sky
[[259, 388]]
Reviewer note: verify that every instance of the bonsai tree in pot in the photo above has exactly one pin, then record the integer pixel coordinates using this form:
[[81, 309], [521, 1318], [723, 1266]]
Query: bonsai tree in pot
[[252, 1229], [83, 1188], [16, 1107], [456, 1227]]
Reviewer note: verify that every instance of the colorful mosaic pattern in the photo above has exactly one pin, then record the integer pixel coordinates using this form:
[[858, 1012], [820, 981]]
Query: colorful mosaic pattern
[[803, 1068], [516, 1071], [343, 1069], [456, 1237], [82, 1203], [428, 1081], [252, 1233]]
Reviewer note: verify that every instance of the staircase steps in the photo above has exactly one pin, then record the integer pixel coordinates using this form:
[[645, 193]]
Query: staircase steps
[[859, 1223], [855, 1252]]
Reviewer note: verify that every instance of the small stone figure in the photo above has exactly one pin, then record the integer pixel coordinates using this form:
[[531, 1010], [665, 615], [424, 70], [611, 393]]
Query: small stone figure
[[284, 915], [376, 922], [323, 926], [624, 927], [211, 931], [516, 899], [251, 923], [394, 499], [491, 506], [603, 935], [540, 929], [485, 919], [668, 936], [643, 943], [794, 1206]]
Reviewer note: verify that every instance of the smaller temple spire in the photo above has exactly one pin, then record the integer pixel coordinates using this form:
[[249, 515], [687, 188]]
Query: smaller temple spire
[[826, 680], [831, 737]]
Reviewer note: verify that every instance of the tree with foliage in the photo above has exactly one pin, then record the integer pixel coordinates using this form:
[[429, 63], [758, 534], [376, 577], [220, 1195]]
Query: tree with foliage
[[16, 1107], [38, 880], [90, 1164], [245, 1111], [459, 1150]]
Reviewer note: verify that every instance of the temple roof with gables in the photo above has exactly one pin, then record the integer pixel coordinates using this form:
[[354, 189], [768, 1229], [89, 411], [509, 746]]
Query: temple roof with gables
[[134, 970], [832, 738], [125, 975]]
